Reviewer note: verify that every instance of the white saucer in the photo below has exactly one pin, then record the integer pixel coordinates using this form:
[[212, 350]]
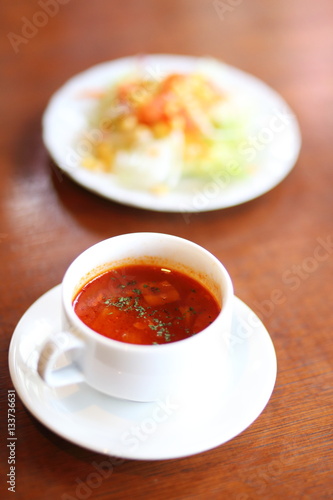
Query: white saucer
[[166, 429], [273, 124]]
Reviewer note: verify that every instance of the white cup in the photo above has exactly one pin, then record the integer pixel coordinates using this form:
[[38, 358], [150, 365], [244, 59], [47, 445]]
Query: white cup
[[130, 371]]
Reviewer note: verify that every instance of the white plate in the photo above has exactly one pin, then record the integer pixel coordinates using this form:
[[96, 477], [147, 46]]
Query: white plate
[[170, 428], [274, 143]]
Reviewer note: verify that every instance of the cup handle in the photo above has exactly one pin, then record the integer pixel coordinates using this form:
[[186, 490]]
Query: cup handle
[[61, 344]]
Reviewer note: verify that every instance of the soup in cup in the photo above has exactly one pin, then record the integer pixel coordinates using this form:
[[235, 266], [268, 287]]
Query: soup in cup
[[145, 315]]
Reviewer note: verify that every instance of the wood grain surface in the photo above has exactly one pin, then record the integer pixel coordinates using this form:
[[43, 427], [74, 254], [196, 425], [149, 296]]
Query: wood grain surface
[[279, 245]]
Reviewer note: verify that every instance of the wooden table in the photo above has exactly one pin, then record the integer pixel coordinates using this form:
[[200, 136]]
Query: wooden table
[[277, 248]]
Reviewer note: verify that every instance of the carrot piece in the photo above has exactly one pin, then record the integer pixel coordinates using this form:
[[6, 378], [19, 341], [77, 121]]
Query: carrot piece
[[201, 322], [139, 325], [156, 294], [186, 315]]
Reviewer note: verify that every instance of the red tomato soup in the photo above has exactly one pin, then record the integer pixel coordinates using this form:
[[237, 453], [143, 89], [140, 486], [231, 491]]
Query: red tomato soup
[[145, 304]]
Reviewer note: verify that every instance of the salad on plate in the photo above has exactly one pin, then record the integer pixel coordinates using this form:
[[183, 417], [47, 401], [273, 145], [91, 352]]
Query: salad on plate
[[151, 133], [171, 133]]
